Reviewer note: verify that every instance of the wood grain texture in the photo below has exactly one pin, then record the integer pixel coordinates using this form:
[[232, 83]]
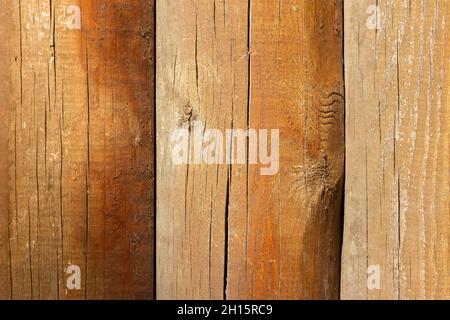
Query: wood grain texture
[[201, 75], [81, 170], [291, 243], [9, 44], [397, 180], [225, 231]]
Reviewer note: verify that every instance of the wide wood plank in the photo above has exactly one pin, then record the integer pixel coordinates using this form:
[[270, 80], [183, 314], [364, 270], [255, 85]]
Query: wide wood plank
[[225, 230]]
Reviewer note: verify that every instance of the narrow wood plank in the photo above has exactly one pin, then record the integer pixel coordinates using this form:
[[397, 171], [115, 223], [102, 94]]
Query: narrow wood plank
[[397, 181], [34, 227], [82, 167], [119, 59], [290, 246], [9, 64], [201, 76]]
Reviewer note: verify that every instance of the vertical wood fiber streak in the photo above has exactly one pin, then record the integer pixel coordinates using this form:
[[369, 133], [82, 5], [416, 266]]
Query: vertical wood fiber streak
[[398, 178], [80, 96]]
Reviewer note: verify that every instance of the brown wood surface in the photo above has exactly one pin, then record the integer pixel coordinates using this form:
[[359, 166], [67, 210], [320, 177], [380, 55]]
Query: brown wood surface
[[9, 51], [225, 231], [80, 165], [292, 241], [77, 149], [201, 74], [397, 174]]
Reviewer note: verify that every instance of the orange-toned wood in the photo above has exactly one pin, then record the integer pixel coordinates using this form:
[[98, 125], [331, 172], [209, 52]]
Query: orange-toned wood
[[290, 245], [81, 139]]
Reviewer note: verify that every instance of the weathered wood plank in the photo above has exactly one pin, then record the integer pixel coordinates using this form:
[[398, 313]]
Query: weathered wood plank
[[292, 233], [201, 76], [9, 66], [119, 58], [81, 191], [397, 180], [224, 230]]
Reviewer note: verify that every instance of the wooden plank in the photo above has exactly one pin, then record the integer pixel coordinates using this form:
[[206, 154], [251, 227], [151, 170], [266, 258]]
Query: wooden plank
[[225, 231], [9, 51], [82, 172], [397, 181], [292, 234], [120, 61], [202, 76]]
